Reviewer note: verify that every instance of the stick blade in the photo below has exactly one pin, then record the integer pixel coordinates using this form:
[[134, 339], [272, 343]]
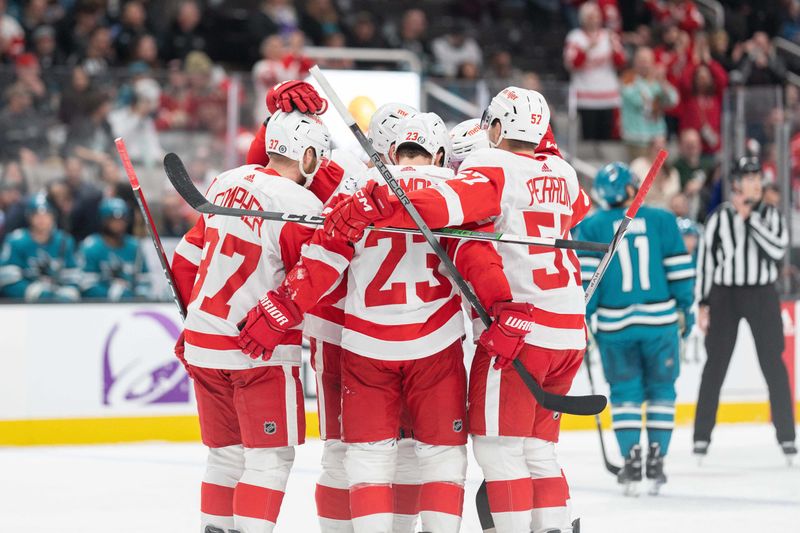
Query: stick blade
[[588, 405], [180, 179]]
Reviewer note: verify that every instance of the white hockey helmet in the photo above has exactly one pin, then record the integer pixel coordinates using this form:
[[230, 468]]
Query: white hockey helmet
[[466, 137], [290, 134], [428, 131], [383, 125], [523, 114]]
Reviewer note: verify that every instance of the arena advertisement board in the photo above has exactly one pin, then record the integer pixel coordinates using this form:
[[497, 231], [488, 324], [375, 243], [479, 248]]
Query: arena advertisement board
[[106, 372]]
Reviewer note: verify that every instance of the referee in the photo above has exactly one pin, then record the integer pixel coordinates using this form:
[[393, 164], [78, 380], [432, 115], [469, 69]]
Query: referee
[[737, 266]]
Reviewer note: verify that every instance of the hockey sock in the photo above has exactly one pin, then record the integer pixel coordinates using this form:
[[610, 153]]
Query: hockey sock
[[370, 467], [550, 491], [332, 493], [441, 500], [406, 487], [406, 507], [224, 468], [660, 421], [627, 423], [509, 486], [259, 494]]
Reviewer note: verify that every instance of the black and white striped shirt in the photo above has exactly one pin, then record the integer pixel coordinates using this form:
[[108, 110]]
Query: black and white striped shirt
[[735, 252]]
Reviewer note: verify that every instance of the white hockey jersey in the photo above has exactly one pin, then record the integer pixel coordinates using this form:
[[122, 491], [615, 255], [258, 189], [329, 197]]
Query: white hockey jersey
[[399, 304], [537, 196], [325, 320], [240, 260]]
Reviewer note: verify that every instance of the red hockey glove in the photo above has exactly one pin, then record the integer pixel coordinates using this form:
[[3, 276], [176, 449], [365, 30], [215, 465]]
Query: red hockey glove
[[350, 216], [506, 336], [180, 348], [263, 328], [295, 94]]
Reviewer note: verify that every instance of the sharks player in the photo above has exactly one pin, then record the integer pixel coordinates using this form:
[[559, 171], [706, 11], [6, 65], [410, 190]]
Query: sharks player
[[38, 262], [112, 265], [641, 306]]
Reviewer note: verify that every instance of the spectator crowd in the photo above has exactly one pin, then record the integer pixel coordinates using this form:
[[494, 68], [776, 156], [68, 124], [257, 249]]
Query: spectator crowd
[[75, 74]]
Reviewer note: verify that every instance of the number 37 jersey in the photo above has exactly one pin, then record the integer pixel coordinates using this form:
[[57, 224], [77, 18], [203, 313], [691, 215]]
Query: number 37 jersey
[[240, 260], [537, 196]]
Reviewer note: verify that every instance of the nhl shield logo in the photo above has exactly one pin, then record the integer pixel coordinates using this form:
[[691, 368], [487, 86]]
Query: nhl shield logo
[[270, 428], [458, 425], [556, 416]]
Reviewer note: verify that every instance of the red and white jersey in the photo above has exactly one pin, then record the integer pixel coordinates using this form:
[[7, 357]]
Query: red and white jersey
[[240, 260], [537, 196], [325, 320], [400, 303], [593, 67]]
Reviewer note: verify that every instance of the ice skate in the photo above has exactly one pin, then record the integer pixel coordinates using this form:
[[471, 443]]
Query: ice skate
[[654, 468], [789, 451], [700, 450], [631, 474]]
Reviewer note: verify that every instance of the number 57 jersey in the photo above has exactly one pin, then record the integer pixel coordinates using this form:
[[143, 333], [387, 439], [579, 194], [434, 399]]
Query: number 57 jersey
[[537, 196], [240, 260]]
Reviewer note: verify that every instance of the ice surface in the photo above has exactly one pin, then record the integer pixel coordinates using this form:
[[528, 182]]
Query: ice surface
[[743, 486]]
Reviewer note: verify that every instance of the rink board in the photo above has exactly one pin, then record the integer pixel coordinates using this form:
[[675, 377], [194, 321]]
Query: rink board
[[95, 373]]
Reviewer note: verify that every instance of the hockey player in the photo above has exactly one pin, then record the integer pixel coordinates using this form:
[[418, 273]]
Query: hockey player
[[644, 299], [38, 262], [323, 326], [323, 323], [112, 266], [251, 410], [537, 195], [401, 342]]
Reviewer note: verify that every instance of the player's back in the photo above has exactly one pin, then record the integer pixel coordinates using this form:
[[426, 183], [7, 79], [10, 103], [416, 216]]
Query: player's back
[[541, 197], [638, 290], [399, 304], [243, 258]]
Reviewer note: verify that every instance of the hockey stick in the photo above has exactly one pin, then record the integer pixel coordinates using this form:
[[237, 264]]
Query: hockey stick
[[601, 269], [481, 498], [176, 172], [579, 405], [151, 227]]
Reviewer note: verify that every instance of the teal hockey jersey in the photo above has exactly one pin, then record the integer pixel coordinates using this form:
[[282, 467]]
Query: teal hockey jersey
[[35, 271], [649, 279], [113, 273]]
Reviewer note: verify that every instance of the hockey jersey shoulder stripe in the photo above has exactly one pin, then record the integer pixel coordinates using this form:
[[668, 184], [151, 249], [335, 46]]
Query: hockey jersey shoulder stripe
[[405, 332]]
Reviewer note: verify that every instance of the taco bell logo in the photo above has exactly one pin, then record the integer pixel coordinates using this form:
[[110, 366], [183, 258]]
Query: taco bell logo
[[139, 367]]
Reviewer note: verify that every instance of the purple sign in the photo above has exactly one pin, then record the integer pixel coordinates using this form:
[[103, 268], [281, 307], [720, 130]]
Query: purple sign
[[139, 367]]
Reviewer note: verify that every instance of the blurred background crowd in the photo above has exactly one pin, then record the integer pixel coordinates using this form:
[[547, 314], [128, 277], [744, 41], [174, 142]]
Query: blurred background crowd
[[710, 80]]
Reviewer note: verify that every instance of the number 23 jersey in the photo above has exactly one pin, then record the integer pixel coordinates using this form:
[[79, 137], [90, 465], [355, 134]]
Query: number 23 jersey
[[537, 196], [240, 260]]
